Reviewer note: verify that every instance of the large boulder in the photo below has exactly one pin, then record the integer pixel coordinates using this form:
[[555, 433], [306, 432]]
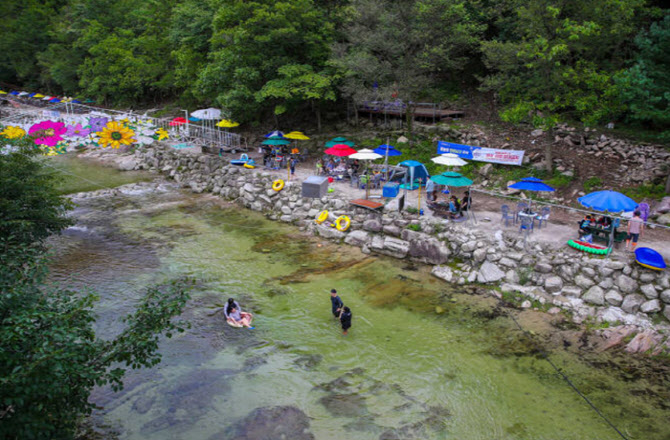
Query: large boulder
[[357, 238], [652, 306], [489, 273], [665, 296], [543, 267], [626, 284], [443, 272], [613, 297], [649, 291], [553, 284], [595, 295], [327, 232], [372, 225], [583, 282], [431, 251], [632, 303], [393, 247]]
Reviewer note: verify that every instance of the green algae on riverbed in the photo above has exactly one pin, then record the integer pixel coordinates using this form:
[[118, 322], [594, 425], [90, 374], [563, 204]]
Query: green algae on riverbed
[[404, 371], [80, 176]]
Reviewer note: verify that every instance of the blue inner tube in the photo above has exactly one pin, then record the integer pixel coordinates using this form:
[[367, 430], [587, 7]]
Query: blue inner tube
[[649, 258]]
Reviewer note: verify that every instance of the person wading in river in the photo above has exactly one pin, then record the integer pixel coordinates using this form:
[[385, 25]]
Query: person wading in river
[[345, 320], [336, 303]]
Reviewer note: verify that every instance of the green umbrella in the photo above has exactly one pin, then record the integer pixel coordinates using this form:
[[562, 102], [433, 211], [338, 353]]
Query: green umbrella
[[333, 142], [451, 178], [276, 140], [339, 139]]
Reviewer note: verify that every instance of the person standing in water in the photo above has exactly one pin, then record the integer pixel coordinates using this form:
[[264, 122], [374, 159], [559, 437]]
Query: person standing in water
[[345, 320], [336, 303]]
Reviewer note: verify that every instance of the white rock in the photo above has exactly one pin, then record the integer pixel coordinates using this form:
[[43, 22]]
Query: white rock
[[631, 303], [489, 273], [583, 282], [595, 295], [443, 272], [626, 284], [571, 291], [553, 284], [665, 296], [613, 297], [357, 238], [652, 306], [649, 291]]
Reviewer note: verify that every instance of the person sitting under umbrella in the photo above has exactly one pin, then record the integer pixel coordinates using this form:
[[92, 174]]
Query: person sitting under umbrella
[[454, 207]]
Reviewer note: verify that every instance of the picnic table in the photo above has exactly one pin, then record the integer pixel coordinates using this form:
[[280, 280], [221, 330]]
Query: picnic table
[[604, 234]]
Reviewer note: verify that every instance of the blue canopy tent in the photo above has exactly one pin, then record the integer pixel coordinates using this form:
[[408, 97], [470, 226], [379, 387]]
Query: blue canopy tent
[[415, 171]]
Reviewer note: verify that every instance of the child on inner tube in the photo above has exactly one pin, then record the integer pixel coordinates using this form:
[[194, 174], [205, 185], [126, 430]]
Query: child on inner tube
[[235, 316]]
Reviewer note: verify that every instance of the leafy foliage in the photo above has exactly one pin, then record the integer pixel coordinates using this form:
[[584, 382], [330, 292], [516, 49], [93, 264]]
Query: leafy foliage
[[50, 355]]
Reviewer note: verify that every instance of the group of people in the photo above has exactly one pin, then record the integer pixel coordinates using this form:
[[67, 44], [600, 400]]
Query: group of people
[[340, 311], [454, 205], [279, 157], [335, 166], [634, 231]]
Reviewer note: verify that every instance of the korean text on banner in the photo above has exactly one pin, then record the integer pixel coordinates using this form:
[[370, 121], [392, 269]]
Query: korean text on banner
[[463, 151], [493, 155]]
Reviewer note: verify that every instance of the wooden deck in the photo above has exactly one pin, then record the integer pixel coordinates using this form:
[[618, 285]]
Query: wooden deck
[[369, 204], [419, 112]]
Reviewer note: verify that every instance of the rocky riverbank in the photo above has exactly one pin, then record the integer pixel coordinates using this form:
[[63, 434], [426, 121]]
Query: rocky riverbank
[[619, 293]]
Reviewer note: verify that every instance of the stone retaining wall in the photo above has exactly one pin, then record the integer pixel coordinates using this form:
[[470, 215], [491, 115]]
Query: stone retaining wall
[[610, 290]]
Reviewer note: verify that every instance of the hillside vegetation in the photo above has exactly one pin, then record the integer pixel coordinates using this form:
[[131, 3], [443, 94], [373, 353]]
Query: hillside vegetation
[[539, 61]]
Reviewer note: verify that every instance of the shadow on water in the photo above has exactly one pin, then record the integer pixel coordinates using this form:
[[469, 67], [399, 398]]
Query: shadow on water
[[423, 361]]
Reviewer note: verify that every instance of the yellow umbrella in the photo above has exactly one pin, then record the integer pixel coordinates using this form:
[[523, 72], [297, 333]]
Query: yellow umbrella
[[297, 135], [39, 95], [225, 123], [2, 92]]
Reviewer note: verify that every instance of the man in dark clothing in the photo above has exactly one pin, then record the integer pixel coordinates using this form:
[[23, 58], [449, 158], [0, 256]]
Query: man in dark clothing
[[336, 303], [345, 320]]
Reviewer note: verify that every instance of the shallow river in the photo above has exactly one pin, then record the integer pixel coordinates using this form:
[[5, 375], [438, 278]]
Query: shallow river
[[422, 361]]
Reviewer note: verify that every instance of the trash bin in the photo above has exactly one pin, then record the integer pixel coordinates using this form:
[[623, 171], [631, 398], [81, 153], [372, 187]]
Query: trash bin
[[390, 190], [315, 187]]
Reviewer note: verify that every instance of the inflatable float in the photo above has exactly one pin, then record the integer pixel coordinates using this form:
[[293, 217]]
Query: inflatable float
[[233, 323], [278, 185], [649, 258], [244, 159], [342, 223], [322, 217], [588, 247]]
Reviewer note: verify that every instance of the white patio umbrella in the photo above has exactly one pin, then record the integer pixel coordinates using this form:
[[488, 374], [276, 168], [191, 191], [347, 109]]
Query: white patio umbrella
[[365, 154], [449, 159], [207, 113]]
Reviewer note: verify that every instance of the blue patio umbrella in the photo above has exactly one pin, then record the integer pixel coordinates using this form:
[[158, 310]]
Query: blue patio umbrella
[[387, 151], [193, 119], [275, 133], [31, 95], [76, 101], [55, 100], [531, 184], [608, 201]]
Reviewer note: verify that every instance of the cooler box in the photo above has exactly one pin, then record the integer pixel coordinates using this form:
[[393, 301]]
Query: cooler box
[[315, 187], [390, 190]]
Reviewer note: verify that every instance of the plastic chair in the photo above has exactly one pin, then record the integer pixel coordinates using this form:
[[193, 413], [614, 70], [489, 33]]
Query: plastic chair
[[644, 211], [544, 216], [506, 215], [363, 181], [526, 224], [519, 207]]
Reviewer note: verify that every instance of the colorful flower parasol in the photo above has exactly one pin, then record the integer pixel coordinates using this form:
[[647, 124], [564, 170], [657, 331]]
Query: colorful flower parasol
[[47, 133], [116, 134]]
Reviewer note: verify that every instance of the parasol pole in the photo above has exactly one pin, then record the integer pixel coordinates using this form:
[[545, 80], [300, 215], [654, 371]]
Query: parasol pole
[[288, 169], [419, 202]]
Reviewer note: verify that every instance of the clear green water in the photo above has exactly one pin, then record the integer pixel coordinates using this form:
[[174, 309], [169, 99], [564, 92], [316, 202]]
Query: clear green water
[[404, 371], [80, 175]]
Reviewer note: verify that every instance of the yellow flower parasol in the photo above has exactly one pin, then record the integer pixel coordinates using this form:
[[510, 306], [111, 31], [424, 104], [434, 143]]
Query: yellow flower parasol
[[39, 95], [296, 135], [116, 134], [225, 123]]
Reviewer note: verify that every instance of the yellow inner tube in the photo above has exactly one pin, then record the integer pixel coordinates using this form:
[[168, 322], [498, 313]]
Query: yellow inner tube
[[278, 185], [246, 165], [322, 217], [339, 223]]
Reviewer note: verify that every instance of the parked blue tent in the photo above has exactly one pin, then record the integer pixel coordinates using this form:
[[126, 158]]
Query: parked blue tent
[[415, 171]]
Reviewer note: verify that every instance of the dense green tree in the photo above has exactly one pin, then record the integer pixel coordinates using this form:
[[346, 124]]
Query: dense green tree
[[50, 357], [646, 85], [252, 40]]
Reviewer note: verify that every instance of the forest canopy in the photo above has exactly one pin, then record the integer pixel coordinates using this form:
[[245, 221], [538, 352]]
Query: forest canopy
[[592, 61]]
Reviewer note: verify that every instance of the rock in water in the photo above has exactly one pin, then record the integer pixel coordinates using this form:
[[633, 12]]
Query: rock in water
[[269, 423]]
